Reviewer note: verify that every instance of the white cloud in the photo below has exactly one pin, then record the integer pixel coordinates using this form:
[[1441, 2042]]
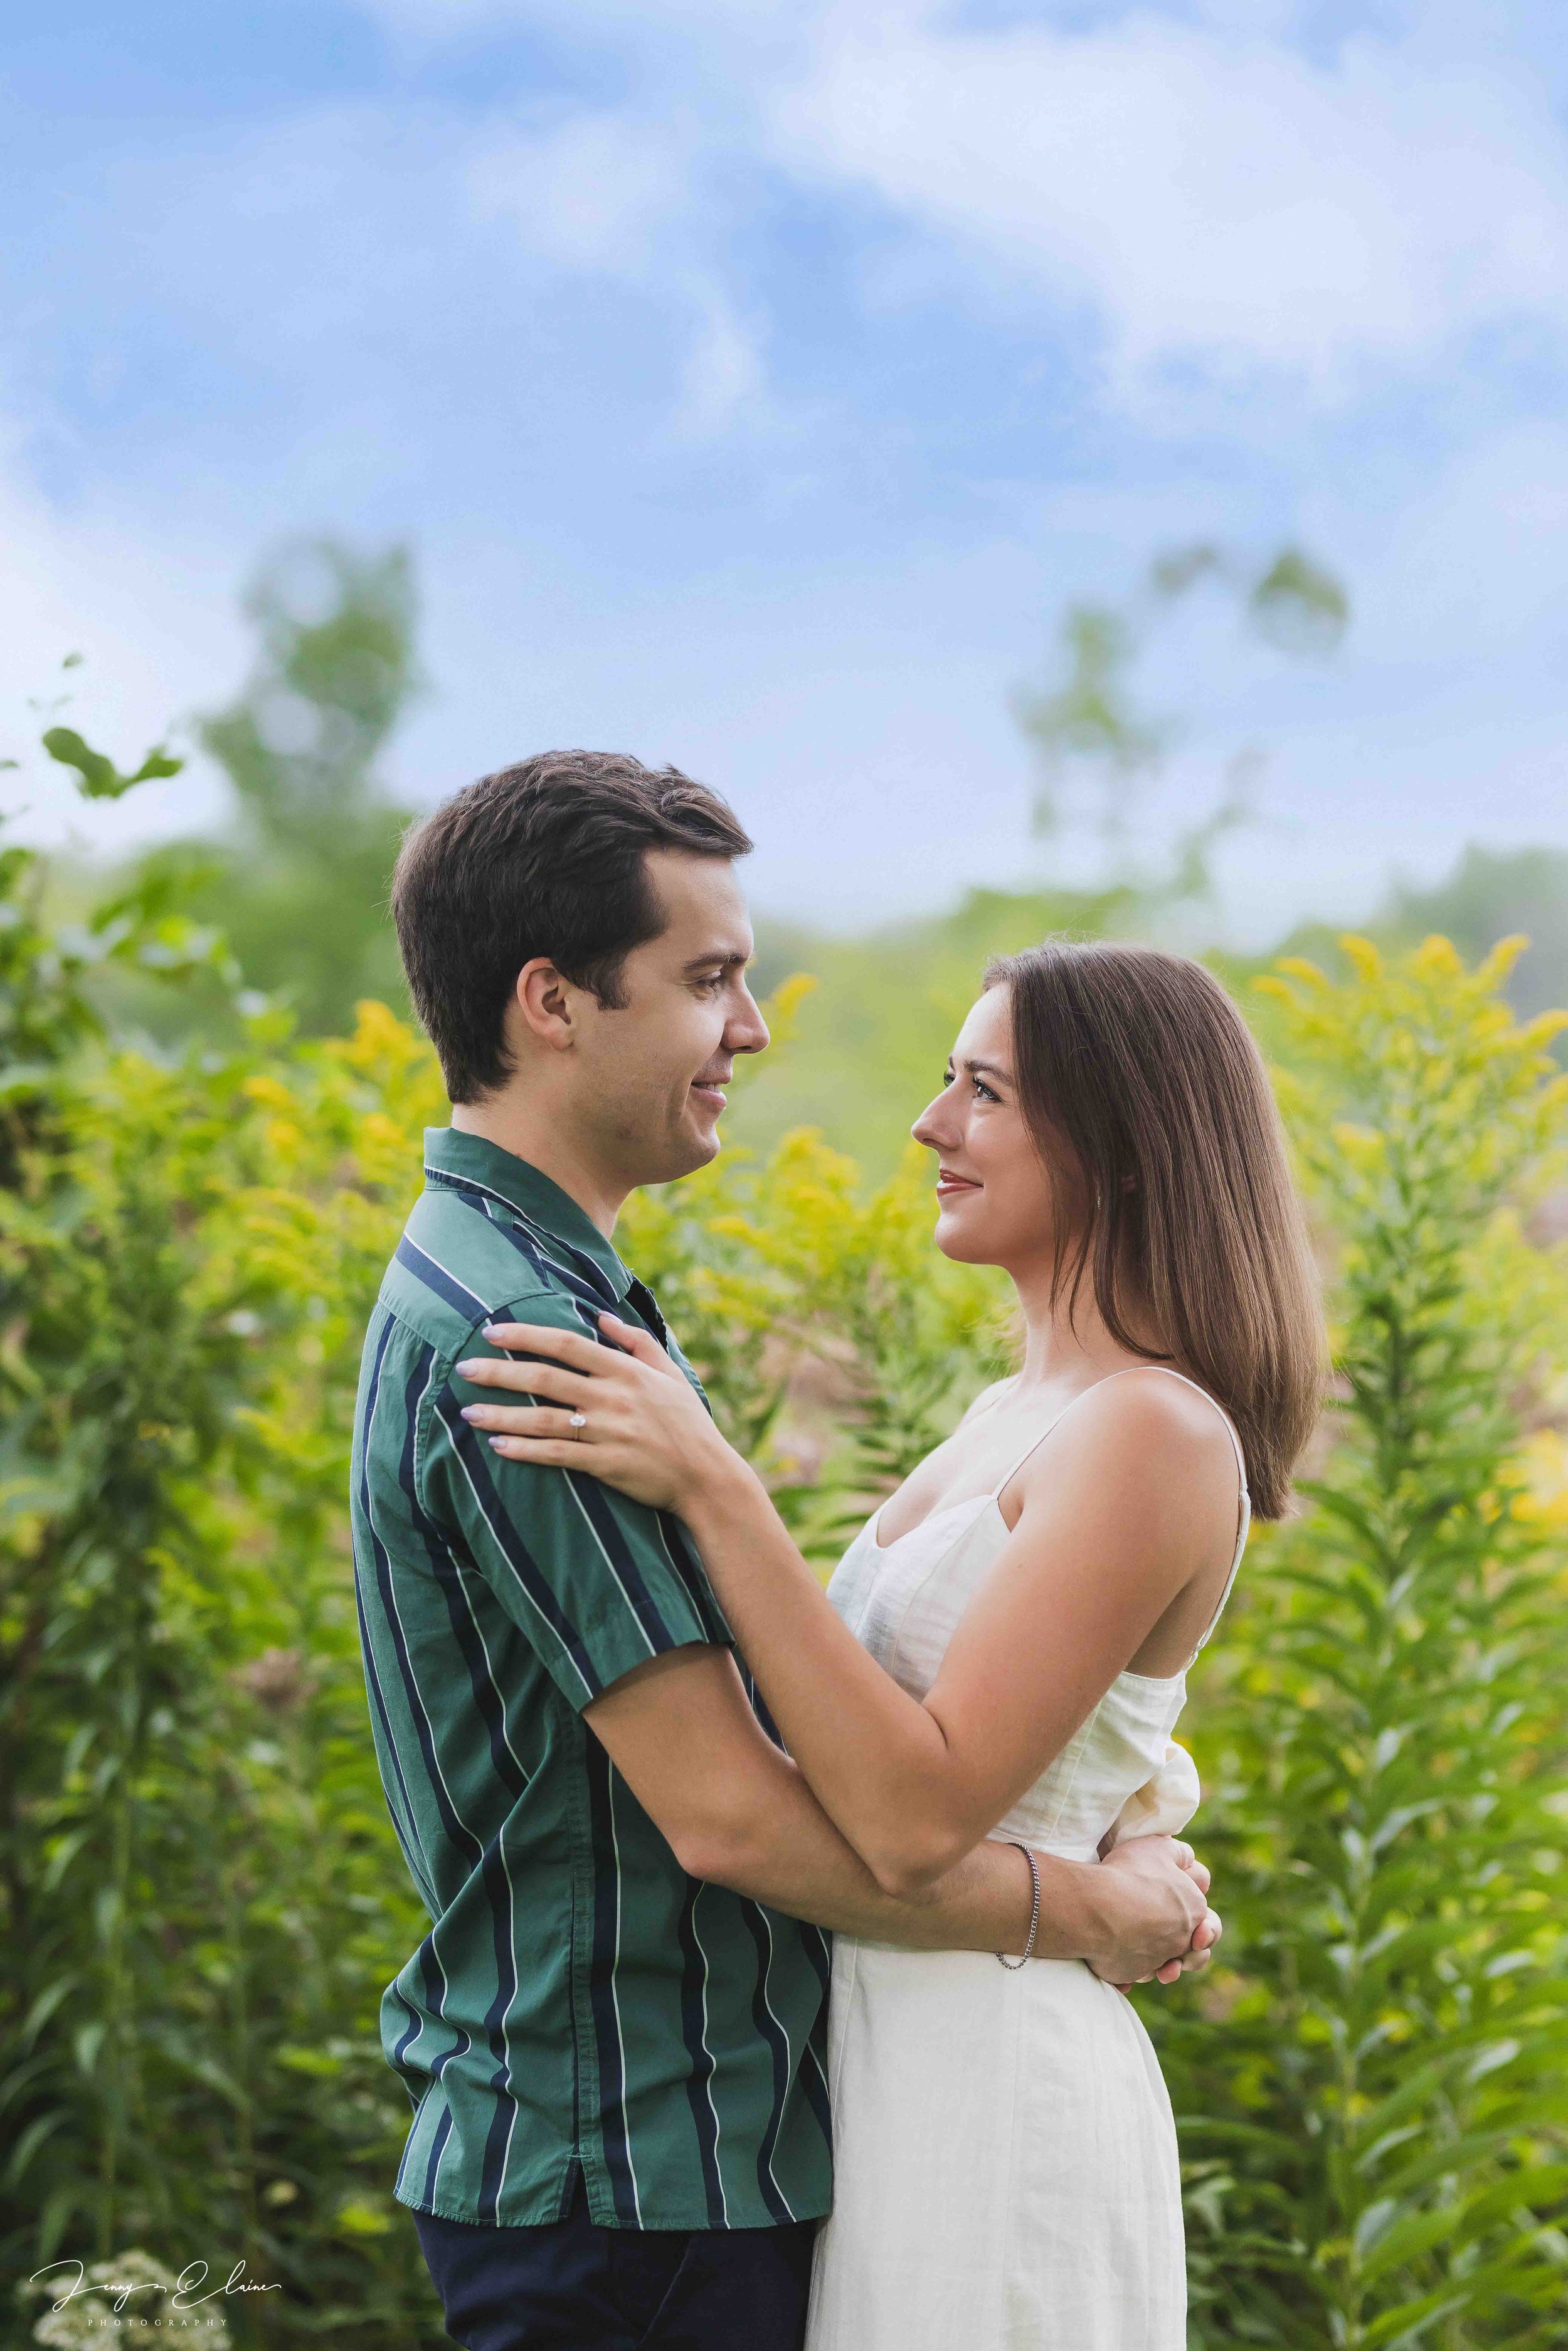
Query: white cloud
[[724, 372], [1207, 194], [1222, 199], [610, 192], [1472, 566], [589, 193]]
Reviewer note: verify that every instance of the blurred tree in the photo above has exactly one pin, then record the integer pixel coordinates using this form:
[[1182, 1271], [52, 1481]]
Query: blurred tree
[[874, 1037], [1098, 750], [299, 886]]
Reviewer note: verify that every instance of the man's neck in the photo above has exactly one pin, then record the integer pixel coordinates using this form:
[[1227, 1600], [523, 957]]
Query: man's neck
[[521, 1128]]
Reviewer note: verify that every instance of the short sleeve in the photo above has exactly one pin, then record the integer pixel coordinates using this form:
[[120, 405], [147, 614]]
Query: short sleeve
[[598, 1582]]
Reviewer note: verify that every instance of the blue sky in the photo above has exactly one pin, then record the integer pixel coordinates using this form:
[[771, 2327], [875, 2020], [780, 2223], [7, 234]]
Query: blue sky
[[756, 378]]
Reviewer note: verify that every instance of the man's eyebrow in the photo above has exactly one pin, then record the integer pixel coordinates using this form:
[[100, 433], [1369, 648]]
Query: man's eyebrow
[[726, 957]]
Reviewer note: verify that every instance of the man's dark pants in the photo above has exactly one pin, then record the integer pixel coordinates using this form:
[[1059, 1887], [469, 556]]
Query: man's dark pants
[[572, 2285]]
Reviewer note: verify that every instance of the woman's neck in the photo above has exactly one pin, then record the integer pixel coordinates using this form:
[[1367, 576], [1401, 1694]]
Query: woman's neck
[[1064, 1347]]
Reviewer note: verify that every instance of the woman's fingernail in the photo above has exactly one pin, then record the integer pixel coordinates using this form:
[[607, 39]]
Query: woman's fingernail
[[470, 1412], [495, 1443], [466, 1370]]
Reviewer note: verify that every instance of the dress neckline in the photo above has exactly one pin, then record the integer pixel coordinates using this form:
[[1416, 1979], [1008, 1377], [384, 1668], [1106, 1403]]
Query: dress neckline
[[947, 1511], [995, 1494], [950, 1509]]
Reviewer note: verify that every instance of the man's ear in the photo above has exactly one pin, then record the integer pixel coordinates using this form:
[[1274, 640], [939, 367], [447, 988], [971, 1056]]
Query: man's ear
[[546, 1004]]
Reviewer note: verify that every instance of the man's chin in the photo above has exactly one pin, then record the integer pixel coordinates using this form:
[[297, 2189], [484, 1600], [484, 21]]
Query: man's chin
[[706, 1143], [694, 1146]]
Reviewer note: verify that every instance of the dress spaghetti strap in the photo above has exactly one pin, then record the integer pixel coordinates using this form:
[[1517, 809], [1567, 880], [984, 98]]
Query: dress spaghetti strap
[[1245, 1500]]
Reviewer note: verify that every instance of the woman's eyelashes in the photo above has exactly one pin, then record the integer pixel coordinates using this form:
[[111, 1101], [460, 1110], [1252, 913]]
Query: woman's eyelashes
[[979, 1085]]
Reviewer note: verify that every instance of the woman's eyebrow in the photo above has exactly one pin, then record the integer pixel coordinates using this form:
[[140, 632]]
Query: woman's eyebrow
[[987, 1070]]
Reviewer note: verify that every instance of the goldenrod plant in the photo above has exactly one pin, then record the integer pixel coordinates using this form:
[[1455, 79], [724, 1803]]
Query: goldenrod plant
[[1375, 2080], [197, 1894]]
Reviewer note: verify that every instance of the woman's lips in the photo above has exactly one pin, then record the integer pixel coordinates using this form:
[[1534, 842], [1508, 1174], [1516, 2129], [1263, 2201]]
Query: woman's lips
[[951, 1188]]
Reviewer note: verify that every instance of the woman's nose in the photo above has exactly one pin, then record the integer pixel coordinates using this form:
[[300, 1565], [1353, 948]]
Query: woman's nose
[[930, 1128]]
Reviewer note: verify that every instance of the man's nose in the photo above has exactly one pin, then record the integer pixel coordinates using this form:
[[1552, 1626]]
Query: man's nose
[[745, 1032]]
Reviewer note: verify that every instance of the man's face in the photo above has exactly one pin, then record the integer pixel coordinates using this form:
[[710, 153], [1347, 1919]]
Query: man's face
[[649, 1077]]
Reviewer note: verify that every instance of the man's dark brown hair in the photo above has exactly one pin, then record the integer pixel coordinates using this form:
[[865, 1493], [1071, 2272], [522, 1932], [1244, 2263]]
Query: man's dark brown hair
[[546, 858]]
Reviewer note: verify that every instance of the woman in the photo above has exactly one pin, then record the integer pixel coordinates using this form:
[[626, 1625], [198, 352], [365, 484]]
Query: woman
[[1002, 1650]]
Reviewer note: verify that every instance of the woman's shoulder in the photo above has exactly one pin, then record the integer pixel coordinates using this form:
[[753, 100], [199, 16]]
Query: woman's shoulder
[[1162, 1421], [1156, 1397]]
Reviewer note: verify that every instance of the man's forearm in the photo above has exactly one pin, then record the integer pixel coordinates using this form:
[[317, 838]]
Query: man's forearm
[[739, 1812], [799, 1863]]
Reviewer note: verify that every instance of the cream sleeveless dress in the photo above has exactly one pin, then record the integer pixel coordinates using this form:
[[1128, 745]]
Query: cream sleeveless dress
[[1004, 2160]]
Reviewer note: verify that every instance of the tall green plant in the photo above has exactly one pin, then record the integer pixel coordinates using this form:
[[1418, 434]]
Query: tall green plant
[[1376, 2086], [198, 1888]]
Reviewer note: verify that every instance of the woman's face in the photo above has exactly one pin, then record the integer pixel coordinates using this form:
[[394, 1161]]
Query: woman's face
[[993, 1196]]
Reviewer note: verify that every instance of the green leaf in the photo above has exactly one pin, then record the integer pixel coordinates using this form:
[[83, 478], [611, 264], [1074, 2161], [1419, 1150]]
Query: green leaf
[[98, 778], [40, 2129]]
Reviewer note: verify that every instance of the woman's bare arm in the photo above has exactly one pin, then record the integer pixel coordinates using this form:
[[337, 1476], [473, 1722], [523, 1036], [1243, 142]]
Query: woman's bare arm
[[1110, 1529], [737, 1812], [1113, 1524]]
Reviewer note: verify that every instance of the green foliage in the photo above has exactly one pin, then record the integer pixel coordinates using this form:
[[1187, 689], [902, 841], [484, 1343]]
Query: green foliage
[[199, 1886], [1376, 2088], [49, 1007], [1489, 895], [872, 1041], [200, 1894], [98, 778], [299, 886], [197, 1890]]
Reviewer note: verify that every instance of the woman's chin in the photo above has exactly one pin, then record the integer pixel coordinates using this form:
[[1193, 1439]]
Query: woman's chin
[[965, 1248]]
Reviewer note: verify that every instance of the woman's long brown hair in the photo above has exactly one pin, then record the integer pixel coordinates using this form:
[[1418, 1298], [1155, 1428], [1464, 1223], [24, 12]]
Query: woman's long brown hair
[[1148, 1103]]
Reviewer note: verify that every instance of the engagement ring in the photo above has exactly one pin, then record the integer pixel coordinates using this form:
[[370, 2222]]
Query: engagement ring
[[578, 1421]]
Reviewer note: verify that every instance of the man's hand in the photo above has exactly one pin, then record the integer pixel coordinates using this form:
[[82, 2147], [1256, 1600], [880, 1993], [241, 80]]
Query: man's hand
[[1155, 1920]]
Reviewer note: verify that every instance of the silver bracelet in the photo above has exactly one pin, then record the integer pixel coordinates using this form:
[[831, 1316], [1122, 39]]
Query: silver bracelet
[[1034, 1915]]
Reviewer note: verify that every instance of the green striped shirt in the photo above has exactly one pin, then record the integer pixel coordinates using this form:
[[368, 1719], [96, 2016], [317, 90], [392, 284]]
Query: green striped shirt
[[580, 2006]]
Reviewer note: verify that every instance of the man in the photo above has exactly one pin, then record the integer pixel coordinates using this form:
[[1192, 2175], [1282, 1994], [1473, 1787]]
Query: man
[[613, 2033]]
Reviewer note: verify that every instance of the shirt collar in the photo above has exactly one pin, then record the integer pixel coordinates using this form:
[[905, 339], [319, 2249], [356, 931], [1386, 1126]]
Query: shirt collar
[[473, 1159]]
